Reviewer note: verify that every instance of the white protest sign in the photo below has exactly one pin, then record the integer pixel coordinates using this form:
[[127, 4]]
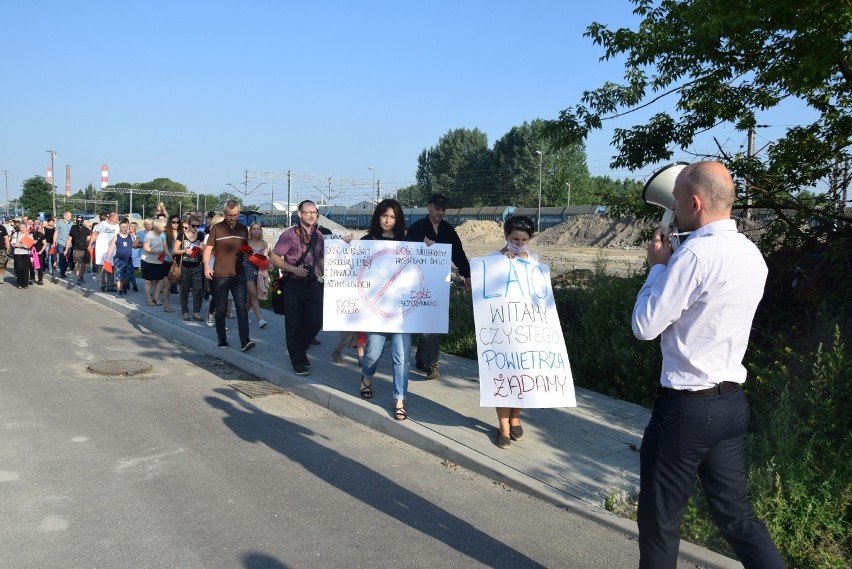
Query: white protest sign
[[386, 286], [519, 343]]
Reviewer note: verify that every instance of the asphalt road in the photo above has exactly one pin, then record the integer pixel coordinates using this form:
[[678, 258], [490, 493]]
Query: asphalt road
[[175, 468]]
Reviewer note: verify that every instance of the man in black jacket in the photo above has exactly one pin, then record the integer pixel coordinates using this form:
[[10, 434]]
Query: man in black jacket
[[433, 229]]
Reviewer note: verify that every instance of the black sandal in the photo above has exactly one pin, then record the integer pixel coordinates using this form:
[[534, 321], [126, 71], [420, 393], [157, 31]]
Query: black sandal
[[366, 390], [399, 414]]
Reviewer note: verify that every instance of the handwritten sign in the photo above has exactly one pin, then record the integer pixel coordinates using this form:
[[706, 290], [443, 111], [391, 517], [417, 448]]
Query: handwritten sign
[[520, 347], [386, 286]]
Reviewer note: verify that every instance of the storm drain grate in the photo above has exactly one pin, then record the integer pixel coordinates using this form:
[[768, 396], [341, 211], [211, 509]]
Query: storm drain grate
[[256, 388]]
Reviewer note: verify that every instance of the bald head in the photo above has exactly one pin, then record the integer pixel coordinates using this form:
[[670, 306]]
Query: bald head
[[713, 183]]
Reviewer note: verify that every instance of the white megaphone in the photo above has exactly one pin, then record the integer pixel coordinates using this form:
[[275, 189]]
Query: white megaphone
[[658, 191]]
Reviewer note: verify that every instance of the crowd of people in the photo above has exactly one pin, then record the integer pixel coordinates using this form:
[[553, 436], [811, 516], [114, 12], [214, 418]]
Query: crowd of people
[[700, 298]]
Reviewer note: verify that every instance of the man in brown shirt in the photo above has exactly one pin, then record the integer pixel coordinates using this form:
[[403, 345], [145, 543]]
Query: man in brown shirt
[[225, 243]]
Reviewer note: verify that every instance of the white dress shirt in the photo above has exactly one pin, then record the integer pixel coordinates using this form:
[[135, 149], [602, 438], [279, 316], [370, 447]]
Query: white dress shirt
[[703, 303]]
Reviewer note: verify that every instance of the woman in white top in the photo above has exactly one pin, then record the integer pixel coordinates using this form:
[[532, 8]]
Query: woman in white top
[[518, 230]]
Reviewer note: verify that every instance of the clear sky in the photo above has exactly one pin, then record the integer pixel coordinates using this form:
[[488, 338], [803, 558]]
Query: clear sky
[[201, 91]]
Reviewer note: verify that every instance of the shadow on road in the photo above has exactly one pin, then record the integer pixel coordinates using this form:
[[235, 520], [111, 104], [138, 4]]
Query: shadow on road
[[296, 443]]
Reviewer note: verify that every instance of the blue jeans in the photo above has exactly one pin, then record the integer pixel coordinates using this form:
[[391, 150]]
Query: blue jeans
[[237, 287], [698, 435], [400, 355]]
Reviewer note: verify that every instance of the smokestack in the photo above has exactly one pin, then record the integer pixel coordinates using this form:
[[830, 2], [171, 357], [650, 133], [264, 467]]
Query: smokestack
[[68, 180]]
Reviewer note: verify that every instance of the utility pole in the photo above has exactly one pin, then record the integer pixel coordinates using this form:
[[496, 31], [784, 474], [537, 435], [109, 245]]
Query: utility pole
[[569, 192], [747, 204], [6, 174]]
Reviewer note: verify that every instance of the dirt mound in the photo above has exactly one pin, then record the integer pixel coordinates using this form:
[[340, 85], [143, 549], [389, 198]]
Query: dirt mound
[[591, 230], [481, 232]]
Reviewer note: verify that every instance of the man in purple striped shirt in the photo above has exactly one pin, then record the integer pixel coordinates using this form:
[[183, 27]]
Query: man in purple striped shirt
[[299, 254]]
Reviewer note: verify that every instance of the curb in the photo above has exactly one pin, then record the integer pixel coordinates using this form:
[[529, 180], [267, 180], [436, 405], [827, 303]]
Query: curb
[[410, 432]]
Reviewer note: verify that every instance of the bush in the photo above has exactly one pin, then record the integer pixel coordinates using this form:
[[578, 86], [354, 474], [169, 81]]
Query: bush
[[798, 449]]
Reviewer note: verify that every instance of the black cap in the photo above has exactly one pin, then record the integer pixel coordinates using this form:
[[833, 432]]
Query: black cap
[[79, 217], [438, 200]]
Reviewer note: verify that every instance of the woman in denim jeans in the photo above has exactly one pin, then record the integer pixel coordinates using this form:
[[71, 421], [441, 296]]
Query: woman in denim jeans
[[388, 223]]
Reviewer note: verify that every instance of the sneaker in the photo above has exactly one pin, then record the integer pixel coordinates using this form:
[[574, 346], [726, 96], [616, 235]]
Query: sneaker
[[223, 344], [247, 346], [434, 373], [262, 323], [210, 321], [118, 294], [336, 357], [300, 369]]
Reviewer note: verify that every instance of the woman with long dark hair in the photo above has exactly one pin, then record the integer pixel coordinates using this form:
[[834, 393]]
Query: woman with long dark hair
[[388, 223]]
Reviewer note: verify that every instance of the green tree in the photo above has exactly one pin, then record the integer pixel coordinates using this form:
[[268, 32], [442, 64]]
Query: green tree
[[460, 166], [517, 166], [724, 61], [36, 196], [224, 198], [411, 196]]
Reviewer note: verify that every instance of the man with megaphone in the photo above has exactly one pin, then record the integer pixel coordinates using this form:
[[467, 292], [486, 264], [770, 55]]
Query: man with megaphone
[[700, 297]]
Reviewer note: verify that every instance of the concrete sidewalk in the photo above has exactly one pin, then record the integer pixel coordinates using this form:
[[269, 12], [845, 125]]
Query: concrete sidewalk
[[573, 457]]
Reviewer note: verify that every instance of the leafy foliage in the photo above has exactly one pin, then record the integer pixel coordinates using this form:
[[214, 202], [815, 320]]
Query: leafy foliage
[[36, 196], [728, 62]]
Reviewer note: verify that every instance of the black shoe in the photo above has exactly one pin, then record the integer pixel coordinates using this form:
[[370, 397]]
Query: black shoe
[[223, 344], [247, 346], [315, 342], [103, 289], [503, 442], [434, 373], [300, 369], [40, 283], [135, 289], [515, 433], [420, 365]]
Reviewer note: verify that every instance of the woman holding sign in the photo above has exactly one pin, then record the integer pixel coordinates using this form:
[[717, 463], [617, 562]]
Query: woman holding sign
[[388, 223], [518, 230]]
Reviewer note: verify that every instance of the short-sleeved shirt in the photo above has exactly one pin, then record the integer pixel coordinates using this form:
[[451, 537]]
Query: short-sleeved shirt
[[292, 243], [226, 241], [63, 228], [157, 245], [79, 236]]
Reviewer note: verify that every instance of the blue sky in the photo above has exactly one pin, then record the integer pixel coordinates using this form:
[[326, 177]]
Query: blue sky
[[201, 91]]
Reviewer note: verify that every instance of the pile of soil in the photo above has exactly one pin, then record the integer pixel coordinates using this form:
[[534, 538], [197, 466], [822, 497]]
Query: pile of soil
[[592, 230]]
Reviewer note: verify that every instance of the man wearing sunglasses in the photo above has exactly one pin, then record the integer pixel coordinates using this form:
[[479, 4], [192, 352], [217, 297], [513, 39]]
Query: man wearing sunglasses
[[433, 229]]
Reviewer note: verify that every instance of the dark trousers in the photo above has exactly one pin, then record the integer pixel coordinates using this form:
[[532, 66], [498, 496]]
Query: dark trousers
[[303, 317], [191, 280], [65, 262], [23, 266], [236, 286], [427, 350], [703, 435]]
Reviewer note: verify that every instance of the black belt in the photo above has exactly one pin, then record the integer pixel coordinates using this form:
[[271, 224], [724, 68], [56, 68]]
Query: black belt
[[717, 389]]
